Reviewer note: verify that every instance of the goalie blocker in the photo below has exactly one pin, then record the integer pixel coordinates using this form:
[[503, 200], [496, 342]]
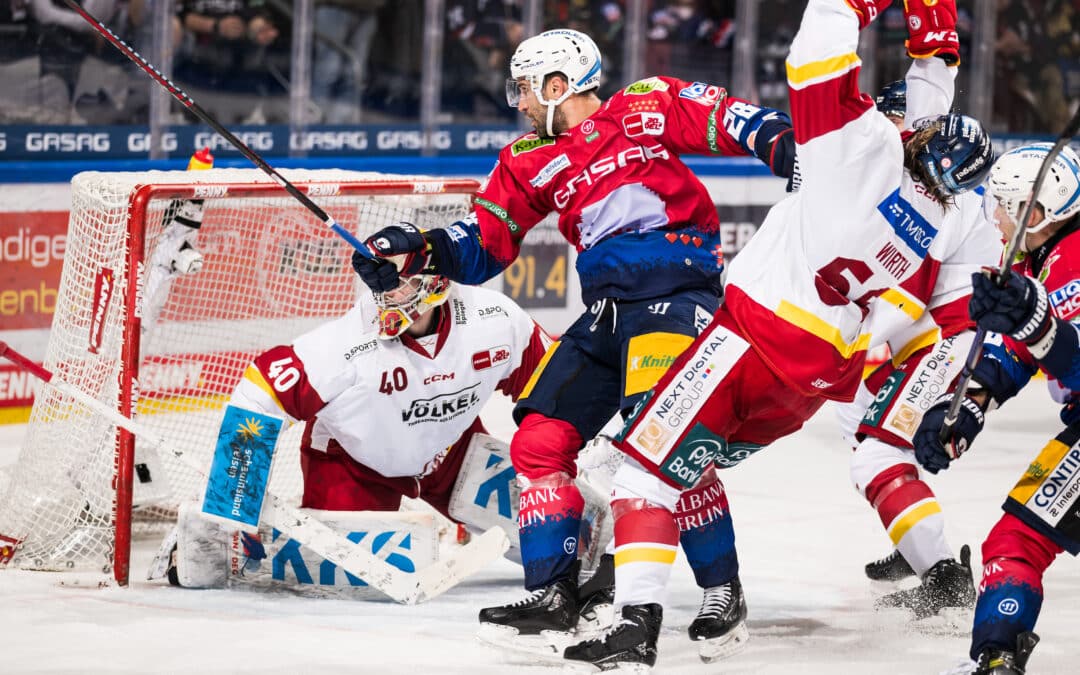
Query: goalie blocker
[[214, 550]]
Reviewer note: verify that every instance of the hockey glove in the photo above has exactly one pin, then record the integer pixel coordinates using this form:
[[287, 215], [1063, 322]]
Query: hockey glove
[[1019, 309], [931, 454], [868, 10], [379, 275], [932, 30], [403, 246]]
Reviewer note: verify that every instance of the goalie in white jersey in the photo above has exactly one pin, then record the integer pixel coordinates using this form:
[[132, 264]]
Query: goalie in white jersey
[[390, 401]]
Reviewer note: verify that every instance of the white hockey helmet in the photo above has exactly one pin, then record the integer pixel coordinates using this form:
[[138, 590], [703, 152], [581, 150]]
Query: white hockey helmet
[[402, 306], [572, 53], [1013, 176]]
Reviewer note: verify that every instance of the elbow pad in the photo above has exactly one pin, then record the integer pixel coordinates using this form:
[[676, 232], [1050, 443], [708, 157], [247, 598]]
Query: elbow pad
[[775, 145]]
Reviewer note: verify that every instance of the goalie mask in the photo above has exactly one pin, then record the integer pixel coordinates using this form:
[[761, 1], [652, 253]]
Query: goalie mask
[[565, 51], [1014, 174], [402, 306]]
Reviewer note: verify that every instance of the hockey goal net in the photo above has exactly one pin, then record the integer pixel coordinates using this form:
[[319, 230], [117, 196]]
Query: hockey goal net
[[171, 354]]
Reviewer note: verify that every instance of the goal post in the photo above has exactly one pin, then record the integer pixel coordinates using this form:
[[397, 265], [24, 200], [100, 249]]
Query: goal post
[[170, 350]]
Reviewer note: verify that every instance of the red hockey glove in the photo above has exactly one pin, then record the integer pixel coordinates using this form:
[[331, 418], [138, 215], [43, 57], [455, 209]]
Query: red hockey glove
[[932, 30], [868, 10]]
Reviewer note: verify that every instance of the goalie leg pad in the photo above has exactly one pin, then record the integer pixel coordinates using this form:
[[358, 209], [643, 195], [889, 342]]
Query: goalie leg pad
[[199, 552], [486, 492]]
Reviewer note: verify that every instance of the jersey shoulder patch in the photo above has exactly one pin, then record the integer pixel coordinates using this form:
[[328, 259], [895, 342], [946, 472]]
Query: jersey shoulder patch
[[528, 143], [646, 86]]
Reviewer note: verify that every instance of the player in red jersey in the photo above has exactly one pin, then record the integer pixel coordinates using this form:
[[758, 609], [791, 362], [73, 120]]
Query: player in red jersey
[[874, 217], [1033, 318], [650, 264]]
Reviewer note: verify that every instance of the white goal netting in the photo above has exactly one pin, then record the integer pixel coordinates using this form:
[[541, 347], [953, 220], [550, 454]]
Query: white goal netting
[[169, 349]]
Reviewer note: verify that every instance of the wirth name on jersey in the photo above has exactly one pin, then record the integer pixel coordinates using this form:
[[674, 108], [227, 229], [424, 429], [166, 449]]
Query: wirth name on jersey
[[396, 406]]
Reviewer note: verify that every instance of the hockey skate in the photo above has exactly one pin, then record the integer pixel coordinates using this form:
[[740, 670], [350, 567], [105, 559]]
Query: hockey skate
[[596, 600], [892, 567], [1000, 662], [720, 624], [629, 646], [541, 623], [948, 584]]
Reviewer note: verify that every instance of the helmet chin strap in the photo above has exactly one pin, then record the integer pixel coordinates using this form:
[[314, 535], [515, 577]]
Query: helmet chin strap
[[551, 105]]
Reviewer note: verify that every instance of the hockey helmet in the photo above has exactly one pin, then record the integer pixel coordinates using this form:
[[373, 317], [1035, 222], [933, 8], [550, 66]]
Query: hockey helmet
[[401, 307], [892, 99], [958, 156], [1013, 176], [565, 51]]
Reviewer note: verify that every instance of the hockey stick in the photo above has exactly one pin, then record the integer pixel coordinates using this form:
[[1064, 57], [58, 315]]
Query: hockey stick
[[1004, 270], [196, 110], [403, 587]]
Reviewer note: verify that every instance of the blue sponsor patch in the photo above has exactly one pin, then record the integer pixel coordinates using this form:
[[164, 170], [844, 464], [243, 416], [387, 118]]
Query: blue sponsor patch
[[914, 230], [240, 470]]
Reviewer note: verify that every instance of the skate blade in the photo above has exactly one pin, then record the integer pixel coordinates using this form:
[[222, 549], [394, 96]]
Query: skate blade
[[548, 645], [729, 644], [582, 668]]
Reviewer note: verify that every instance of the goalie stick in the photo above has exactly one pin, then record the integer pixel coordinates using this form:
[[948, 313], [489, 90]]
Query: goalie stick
[[1004, 270], [196, 110], [403, 587]]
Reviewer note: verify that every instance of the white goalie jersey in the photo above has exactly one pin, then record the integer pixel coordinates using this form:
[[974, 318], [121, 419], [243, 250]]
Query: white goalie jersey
[[396, 406]]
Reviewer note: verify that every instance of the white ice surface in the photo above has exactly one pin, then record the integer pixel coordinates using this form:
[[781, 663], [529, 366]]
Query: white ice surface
[[803, 536]]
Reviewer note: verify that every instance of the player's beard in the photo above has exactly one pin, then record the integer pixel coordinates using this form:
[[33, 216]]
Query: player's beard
[[538, 119]]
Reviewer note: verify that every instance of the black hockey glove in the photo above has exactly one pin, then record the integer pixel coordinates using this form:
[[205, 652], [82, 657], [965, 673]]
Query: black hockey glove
[[399, 250], [929, 451], [379, 275], [1019, 309]]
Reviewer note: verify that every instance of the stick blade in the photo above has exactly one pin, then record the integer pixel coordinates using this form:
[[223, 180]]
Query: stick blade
[[437, 578]]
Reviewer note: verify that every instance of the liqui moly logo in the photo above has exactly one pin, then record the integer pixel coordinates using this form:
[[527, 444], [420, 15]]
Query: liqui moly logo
[[103, 291]]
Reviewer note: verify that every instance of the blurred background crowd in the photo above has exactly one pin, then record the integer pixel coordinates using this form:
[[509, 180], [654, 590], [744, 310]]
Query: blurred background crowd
[[340, 62]]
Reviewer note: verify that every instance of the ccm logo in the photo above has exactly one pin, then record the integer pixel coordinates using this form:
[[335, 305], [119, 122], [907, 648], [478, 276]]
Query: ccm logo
[[443, 377]]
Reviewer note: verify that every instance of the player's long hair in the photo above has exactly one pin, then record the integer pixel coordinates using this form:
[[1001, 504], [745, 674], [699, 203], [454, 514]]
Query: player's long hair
[[914, 145]]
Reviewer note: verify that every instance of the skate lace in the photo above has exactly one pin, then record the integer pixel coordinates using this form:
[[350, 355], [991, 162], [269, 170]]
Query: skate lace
[[885, 560], [715, 601], [532, 597]]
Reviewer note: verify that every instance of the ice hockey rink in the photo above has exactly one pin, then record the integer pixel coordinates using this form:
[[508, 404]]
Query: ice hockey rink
[[803, 536]]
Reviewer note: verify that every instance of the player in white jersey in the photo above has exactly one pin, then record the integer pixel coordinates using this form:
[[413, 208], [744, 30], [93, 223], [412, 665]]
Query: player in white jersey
[[390, 400], [874, 218], [927, 352]]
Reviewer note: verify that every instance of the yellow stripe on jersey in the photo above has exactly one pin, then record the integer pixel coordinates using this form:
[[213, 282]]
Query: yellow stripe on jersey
[[539, 369], [255, 377], [904, 302], [648, 554], [925, 340], [810, 323], [911, 518], [817, 71], [1038, 470]]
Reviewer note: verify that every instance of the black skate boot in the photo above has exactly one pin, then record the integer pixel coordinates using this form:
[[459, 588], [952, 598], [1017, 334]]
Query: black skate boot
[[999, 662], [542, 622], [892, 567], [628, 647], [720, 624], [596, 599], [947, 584]]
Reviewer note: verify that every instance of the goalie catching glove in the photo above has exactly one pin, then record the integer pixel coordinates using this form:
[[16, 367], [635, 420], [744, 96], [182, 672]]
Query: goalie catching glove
[[932, 30]]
